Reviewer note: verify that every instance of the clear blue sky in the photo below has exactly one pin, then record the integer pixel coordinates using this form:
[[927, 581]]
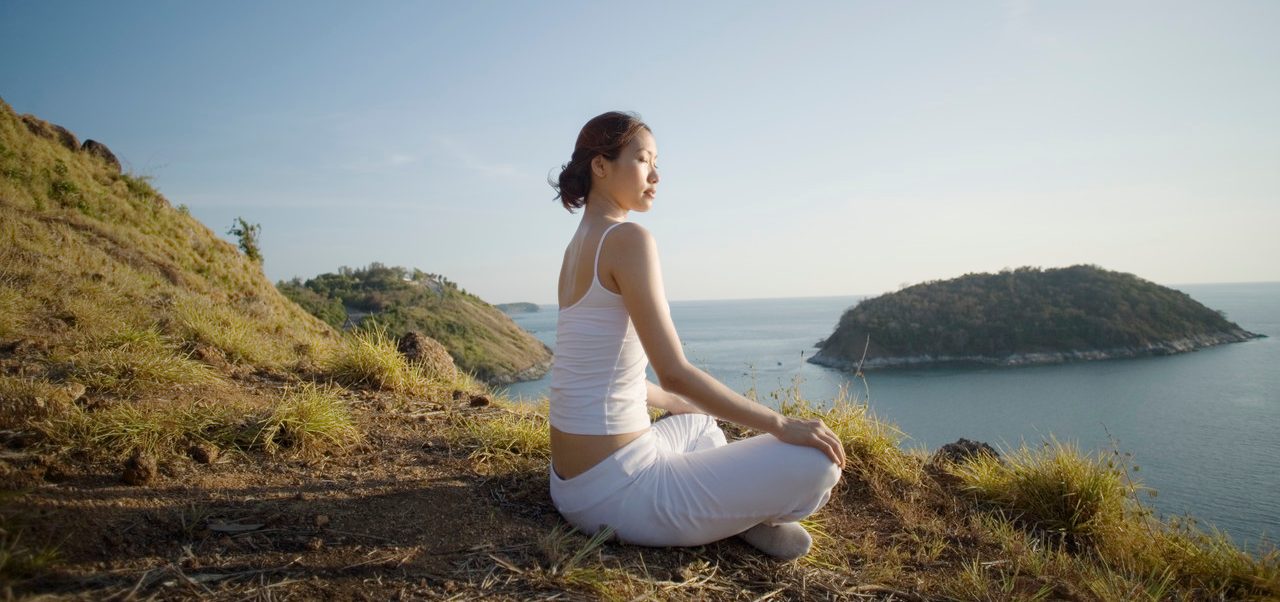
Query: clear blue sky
[[806, 148]]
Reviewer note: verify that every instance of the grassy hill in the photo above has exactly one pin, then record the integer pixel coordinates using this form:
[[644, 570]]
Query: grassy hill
[[1027, 315], [173, 427], [102, 279], [481, 338]]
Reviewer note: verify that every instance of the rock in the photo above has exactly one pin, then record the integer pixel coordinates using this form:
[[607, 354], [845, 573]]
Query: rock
[[963, 450], [315, 544], [139, 469], [204, 453], [73, 392], [38, 126], [322, 520], [428, 353], [211, 355], [100, 150], [459, 394], [65, 137], [479, 401]]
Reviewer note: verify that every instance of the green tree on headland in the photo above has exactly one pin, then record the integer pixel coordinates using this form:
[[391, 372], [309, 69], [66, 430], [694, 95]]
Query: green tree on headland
[[248, 235]]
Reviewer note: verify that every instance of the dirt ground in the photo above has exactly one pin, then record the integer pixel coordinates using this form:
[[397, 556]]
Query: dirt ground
[[402, 516]]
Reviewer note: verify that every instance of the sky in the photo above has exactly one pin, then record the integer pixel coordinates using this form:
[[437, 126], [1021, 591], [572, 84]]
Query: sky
[[805, 148]]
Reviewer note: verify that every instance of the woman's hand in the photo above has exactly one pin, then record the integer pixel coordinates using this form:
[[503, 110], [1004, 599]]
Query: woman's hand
[[812, 433]]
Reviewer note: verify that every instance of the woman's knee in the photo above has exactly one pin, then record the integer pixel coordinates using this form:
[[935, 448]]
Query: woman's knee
[[817, 471], [710, 434]]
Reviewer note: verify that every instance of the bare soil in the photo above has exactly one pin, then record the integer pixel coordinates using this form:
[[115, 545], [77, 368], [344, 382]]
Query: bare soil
[[402, 516]]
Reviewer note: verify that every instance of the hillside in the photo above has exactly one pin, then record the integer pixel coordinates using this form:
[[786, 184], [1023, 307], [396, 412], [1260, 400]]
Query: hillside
[[173, 428], [481, 338], [93, 260], [1024, 316]]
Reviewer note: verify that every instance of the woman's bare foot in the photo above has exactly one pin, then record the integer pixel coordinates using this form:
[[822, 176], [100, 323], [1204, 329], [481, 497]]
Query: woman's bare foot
[[786, 541]]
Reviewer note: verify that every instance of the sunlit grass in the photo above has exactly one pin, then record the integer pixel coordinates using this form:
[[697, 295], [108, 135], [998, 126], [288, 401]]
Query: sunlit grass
[[1054, 488], [872, 446], [307, 420], [507, 437], [26, 400], [132, 361], [369, 358]]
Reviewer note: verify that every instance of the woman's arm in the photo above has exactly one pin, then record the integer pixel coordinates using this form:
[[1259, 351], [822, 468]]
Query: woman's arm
[[665, 400], [636, 269]]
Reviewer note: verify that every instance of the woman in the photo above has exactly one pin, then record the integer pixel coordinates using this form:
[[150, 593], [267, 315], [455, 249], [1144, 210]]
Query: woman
[[675, 482]]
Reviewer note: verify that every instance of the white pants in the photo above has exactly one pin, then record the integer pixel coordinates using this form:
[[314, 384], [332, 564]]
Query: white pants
[[679, 484]]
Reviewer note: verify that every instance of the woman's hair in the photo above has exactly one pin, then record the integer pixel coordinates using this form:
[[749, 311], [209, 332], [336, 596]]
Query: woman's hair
[[604, 135]]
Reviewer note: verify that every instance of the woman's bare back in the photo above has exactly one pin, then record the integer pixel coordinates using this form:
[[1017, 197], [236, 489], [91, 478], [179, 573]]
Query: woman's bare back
[[573, 454]]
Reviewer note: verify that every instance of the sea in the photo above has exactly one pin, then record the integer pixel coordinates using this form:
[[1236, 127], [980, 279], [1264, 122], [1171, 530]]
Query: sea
[[1202, 428]]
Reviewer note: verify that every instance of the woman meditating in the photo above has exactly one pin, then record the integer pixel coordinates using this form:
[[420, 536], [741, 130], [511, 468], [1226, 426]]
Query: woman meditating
[[674, 482]]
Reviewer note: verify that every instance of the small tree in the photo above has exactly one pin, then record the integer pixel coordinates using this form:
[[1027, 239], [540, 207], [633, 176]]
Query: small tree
[[248, 235]]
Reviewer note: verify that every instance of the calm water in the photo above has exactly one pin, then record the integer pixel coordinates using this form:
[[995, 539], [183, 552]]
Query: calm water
[[1203, 427]]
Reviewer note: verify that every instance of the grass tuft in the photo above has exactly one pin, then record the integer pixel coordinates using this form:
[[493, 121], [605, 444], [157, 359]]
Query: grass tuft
[[509, 438], [24, 401], [369, 358], [309, 420], [132, 361], [1055, 489], [238, 336]]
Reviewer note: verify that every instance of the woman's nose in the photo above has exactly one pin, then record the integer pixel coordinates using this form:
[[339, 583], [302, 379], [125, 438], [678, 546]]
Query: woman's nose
[[653, 176]]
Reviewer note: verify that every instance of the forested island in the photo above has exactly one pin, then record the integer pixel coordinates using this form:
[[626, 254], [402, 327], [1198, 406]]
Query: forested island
[[482, 339], [1024, 316], [517, 308]]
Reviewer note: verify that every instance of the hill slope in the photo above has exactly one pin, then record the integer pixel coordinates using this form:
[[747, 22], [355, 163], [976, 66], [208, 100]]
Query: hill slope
[[1024, 316], [480, 337], [93, 260]]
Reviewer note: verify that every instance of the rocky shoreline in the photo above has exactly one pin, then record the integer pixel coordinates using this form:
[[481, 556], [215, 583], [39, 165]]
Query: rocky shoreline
[[1030, 359], [534, 372]]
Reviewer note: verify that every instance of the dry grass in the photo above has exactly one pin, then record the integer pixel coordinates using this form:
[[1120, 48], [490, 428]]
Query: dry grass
[[1087, 505], [872, 446], [309, 420], [132, 361], [239, 336], [306, 420], [368, 358], [25, 400], [1054, 489], [506, 438]]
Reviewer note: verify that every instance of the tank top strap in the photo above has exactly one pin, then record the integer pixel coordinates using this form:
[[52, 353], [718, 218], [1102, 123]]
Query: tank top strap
[[595, 268]]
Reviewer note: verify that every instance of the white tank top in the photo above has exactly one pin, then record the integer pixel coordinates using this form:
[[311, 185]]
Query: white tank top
[[598, 369]]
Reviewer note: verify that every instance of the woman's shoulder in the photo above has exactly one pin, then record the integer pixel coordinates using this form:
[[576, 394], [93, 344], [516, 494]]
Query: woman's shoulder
[[631, 234]]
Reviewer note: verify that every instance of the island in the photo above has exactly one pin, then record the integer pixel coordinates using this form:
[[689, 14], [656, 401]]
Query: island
[[1023, 316], [517, 308]]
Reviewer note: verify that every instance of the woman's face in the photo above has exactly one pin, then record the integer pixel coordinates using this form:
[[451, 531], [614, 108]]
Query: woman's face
[[631, 180]]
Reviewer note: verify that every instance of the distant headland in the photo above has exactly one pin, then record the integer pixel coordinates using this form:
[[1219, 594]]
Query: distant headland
[[517, 308], [1022, 317]]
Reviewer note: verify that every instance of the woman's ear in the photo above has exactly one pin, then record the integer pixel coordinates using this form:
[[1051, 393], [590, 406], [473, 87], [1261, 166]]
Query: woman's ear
[[598, 166]]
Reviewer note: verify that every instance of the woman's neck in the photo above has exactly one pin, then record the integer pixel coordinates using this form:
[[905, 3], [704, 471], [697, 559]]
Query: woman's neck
[[600, 209]]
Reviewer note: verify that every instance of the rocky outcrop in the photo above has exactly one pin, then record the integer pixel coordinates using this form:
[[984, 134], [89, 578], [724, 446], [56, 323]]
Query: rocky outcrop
[[962, 451], [63, 136], [533, 372], [100, 150], [1030, 359], [51, 131], [427, 352]]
